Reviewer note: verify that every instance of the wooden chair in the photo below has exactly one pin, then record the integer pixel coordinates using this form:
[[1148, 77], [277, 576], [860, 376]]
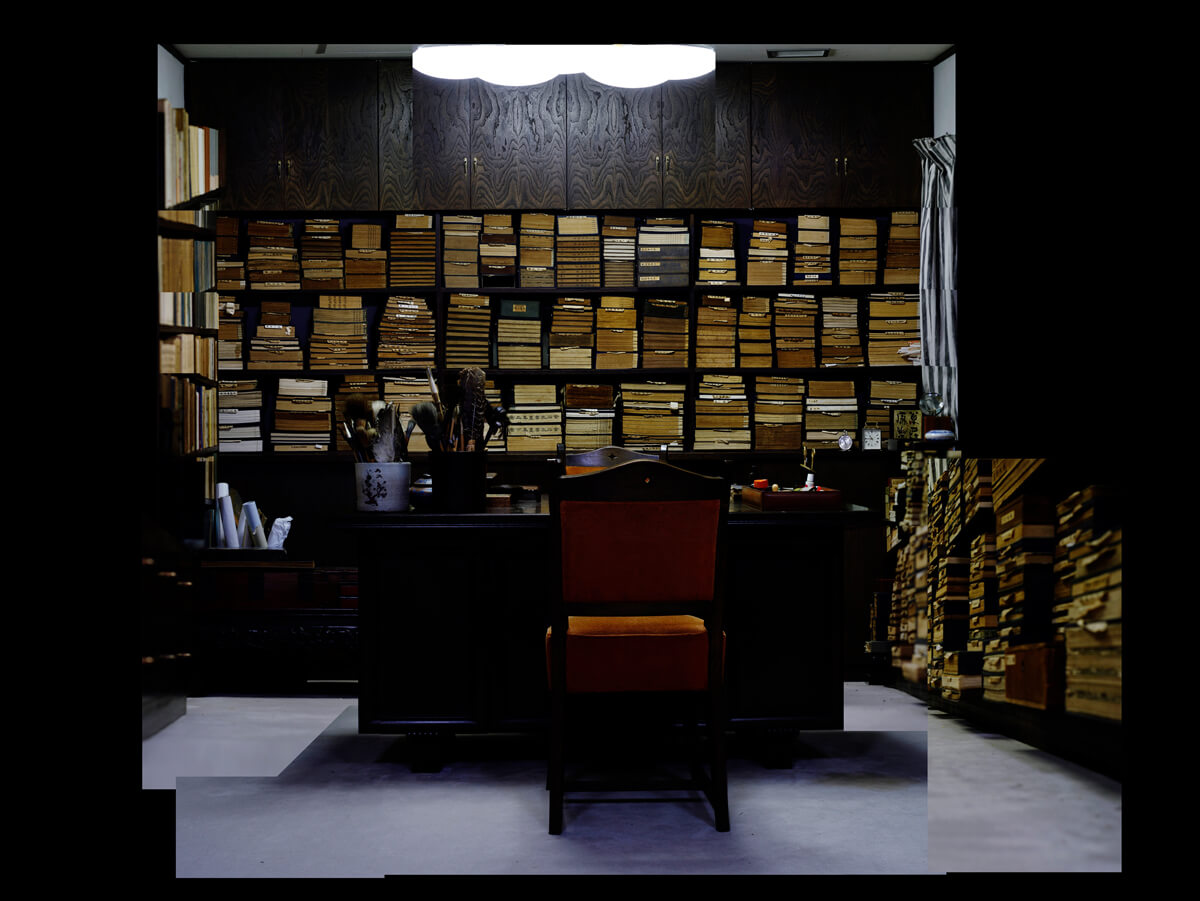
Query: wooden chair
[[637, 598], [602, 458]]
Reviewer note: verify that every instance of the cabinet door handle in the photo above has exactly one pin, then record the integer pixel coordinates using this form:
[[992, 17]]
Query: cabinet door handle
[[287, 167], [668, 162], [279, 168], [475, 164], [845, 170], [466, 169], [657, 163]]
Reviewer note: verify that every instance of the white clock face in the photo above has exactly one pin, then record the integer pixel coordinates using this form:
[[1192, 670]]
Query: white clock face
[[871, 439], [845, 442]]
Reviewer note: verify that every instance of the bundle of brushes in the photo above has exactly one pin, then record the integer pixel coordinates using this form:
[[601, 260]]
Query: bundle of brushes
[[467, 425], [374, 431]]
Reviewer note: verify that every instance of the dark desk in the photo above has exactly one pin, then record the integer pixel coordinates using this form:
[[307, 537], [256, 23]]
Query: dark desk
[[452, 619]]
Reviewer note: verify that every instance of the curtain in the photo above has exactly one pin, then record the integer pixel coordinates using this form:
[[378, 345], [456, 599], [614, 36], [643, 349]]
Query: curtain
[[939, 271]]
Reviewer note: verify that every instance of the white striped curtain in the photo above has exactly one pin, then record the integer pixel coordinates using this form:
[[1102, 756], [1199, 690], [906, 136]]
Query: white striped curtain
[[939, 271]]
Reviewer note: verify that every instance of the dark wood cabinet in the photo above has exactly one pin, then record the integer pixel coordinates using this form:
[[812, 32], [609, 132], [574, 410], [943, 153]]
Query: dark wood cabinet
[[825, 135], [397, 172]]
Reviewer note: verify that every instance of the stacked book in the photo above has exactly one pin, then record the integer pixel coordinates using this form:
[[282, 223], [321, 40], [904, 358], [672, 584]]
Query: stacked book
[[190, 354], [665, 334], [983, 627], [1009, 474], [1090, 533], [535, 420], [498, 251], [796, 331], [651, 415], [767, 255], [902, 260], [858, 252], [962, 675], [717, 265], [589, 411], [239, 417], [412, 252], [616, 333], [778, 412], [352, 383], [275, 344], [813, 260], [407, 334], [226, 228], [886, 396], [977, 490], [185, 265], [663, 253], [893, 328], [322, 264], [620, 251], [460, 250], [231, 332], [831, 411], [468, 331], [519, 335], [1025, 540], [231, 270], [404, 392], [754, 333], [577, 252], [572, 333], [716, 332], [934, 569], [272, 259], [365, 259], [841, 344], [535, 250], [954, 501], [339, 334], [303, 416], [722, 414]]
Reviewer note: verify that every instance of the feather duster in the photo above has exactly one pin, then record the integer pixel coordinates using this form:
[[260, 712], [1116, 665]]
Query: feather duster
[[472, 406], [497, 420], [425, 415]]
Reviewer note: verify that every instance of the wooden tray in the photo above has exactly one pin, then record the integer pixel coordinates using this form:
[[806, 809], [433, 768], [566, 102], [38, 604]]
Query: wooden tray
[[827, 499]]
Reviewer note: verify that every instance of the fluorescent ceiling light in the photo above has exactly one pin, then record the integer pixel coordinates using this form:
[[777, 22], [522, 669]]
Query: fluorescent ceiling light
[[796, 54], [621, 65]]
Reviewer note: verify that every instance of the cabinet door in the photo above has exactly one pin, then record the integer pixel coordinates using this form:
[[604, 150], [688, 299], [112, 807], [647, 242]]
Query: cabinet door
[[397, 176], [441, 142], [518, 146], [731, 121], [794, 136], [614, 146], [689, 141]]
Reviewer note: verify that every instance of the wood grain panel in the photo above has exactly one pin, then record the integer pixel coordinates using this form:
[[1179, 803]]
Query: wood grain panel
[[689, 141], [441, 142], [302, 111], [894, 106], [519, 147], [612, 140], [794, 136], [350, 148], [731, 169], [397, 181]]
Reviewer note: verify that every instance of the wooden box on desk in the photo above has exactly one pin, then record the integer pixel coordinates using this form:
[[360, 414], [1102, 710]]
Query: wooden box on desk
[[1035, 676], [760, 499]]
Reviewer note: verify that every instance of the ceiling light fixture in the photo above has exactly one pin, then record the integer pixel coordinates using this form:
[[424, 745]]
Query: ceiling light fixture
[[796, 54], [619, 65]]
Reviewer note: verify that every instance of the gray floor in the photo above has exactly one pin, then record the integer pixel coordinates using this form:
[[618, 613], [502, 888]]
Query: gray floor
[[286, 787]]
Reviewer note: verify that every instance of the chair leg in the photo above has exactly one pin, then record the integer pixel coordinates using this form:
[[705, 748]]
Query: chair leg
[[719, 785], [555, 768]]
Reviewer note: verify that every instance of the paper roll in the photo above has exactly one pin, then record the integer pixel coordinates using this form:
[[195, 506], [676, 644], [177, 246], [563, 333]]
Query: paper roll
[[228, 523], [257, 535]]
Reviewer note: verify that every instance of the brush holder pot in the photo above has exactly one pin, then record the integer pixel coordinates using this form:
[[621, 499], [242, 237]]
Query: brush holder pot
[[459, 482], [382, 487]]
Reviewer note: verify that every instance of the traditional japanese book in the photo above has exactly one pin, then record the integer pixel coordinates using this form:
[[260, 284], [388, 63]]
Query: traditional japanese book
[[716, 332], [339, 334], [722, 414], [572, 333], [468, 331], [663, 253], [665, 333], [755, 348], [460, 250], [717, 263], [535, 250], [902, 258], [274, 344], [652, 415], [778, 412], [812, 259], [858, 251], [411, 252], [519, 334], [619, 234]]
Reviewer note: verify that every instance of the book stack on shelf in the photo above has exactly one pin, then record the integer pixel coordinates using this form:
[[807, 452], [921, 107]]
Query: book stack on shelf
[[589, 411], [663, 254], [1090, 533], [652, 415], [239, 412], [275, 344], [620, 251], [364, 384], [519, 334], [407, 334], [913, 464], [755, 350], [535, 250], [231, 270], [893, 328], [778, 412], [577, 252], [616, 333], [303, 416], [412, 252], [405, 392], [767, 255], [365, 262], [572, 333], [1009, 474], [722, 414], [460, 250], [189, 156], [831, 411], [498, 251], [977, 490], [272, 258], [231, 334], [902, 260], [322, 262], [884, 397], [813, 259], [185, 265], [962, 675], [937, 551], [188, 415], [910, 650], [858, 251], [339, 333], [717, 265], [665, 334], [716, 332], [951, 619], [189, 309], [796, 331], [535, 420], [984, 625], [954, 501], [468, 331], [841, 343]]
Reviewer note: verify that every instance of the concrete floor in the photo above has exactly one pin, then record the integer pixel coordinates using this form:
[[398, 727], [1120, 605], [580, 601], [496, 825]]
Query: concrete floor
[[286, 787]]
